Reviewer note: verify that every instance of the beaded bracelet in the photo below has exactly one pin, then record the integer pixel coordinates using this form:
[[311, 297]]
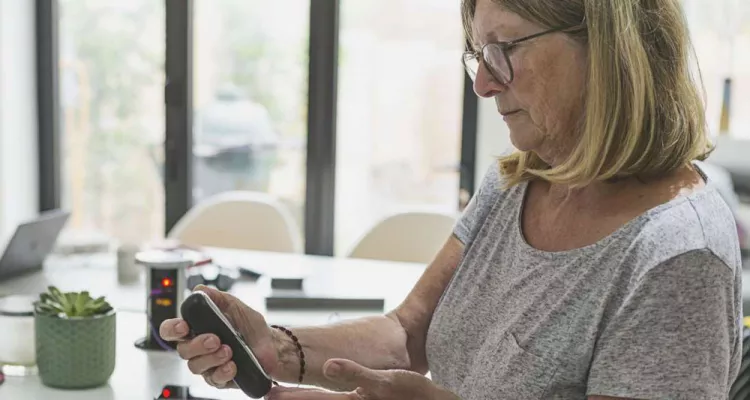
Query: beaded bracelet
[[300, 353]]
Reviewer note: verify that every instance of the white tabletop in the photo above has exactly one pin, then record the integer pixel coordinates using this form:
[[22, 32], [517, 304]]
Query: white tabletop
[[141, 374]]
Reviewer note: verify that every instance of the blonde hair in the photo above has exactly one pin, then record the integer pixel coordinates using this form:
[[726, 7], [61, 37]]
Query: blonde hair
[[643, 115]]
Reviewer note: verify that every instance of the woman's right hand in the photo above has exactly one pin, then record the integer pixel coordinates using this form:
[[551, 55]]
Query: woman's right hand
[[207, 356]]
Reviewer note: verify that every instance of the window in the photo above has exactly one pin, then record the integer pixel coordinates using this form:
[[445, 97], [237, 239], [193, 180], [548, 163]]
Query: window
[[720, 32], [399, 80], [112, 117], [399, 111], [250, 99]]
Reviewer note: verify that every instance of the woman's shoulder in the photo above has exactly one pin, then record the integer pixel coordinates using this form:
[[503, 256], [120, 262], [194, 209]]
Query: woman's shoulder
[[490, 192], [491, 185], [698, 222]]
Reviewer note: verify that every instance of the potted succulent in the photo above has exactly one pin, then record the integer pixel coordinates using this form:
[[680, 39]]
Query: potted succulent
[[75, 339]]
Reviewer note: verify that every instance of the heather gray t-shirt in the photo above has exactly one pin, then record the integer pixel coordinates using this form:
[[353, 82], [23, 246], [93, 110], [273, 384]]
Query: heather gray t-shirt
[[652, 311]]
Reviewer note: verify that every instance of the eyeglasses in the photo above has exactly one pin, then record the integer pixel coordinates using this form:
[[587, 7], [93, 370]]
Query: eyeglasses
[[496, 58]]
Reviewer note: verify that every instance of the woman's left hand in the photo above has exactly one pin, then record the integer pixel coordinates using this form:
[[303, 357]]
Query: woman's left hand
[[370, 384]]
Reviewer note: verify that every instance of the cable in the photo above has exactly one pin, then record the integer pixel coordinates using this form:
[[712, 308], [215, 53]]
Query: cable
[[154, 331], [158, 338]]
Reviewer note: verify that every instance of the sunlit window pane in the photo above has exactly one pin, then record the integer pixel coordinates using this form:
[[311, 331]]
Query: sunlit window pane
[[399, 111], [112, 117], [250, 99]]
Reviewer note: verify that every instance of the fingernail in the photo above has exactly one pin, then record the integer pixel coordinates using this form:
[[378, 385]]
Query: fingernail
[[227, 369], [333, 369], [180, 328], [211, 343], [225, 352]]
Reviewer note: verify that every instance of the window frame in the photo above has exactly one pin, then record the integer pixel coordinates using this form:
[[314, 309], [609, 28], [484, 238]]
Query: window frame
[[178, 100], [48, 104], [178, 96]]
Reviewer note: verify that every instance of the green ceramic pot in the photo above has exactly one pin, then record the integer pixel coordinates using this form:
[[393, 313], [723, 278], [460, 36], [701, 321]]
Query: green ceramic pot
[[75, 353]]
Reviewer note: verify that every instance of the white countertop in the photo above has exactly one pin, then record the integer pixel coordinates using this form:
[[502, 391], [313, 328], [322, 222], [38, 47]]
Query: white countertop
[[138, 374], [142, 374]]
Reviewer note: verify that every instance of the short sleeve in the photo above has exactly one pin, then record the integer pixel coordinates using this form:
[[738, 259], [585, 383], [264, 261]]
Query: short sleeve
[[676, 336], [479, 206]]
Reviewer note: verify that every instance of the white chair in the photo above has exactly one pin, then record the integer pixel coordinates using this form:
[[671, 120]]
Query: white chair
[[239, 220], [406, 237]]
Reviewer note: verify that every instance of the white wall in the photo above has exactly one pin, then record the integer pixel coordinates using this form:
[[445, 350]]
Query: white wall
[[2, 102], [492, 137], [18, 110]]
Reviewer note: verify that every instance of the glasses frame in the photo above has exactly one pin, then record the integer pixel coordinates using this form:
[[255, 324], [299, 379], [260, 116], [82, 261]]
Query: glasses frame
[[505, 46]]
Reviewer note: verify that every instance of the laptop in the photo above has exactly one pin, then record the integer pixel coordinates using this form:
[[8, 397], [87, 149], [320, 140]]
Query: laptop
[[31, 243]]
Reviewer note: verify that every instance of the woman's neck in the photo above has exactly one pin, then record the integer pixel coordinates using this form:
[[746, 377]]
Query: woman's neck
[[630, 190]]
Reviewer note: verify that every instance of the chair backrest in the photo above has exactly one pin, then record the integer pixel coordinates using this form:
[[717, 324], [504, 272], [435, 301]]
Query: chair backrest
[[407, 237], [239, 220]]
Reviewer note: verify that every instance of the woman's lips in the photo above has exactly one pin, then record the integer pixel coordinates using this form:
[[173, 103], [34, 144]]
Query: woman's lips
[[509, 113]]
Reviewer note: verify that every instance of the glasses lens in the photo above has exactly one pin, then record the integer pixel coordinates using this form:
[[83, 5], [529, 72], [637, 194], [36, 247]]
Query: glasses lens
[[497, 63], [471, 64]]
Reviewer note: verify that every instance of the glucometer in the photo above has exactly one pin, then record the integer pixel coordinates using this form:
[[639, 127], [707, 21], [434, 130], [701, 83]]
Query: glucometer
[[203, 316]]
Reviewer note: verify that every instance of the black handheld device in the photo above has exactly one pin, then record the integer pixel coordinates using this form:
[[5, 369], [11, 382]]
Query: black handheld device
[[203, 316]]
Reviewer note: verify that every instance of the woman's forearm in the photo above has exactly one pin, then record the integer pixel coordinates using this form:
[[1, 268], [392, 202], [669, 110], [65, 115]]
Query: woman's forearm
[[392, 341], [375, 342]]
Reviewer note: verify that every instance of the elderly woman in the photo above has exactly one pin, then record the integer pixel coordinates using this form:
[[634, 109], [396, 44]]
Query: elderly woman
[[593, 263]]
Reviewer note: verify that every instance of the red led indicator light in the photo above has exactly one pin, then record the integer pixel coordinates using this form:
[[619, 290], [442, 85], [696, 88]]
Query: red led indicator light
[[166, 393], [166, 282]]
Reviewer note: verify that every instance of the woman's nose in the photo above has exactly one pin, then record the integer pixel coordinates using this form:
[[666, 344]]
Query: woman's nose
[[485, 85]]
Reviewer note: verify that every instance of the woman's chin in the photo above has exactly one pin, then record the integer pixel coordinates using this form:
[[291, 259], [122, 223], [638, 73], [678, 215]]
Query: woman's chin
[[521, 142]]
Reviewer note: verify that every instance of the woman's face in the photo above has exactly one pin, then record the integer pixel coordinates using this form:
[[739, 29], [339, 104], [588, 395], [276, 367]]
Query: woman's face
[[543, 104]]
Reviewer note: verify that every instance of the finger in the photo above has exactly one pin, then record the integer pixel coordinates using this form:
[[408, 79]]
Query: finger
[[223, 375], [230, 306], [347, 371], [201, 364], [173, 329], [238, 314], [221, 299], [247, 321], [209, 378], [289, 393], [198, 346]]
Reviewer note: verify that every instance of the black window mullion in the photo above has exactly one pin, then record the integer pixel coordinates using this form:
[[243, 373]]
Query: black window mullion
[[48, 103], [178, 98], [321, 122], [468, 142]]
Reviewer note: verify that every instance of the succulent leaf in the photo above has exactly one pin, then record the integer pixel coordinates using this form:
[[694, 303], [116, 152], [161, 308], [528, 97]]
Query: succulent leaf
[[70, 304]]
